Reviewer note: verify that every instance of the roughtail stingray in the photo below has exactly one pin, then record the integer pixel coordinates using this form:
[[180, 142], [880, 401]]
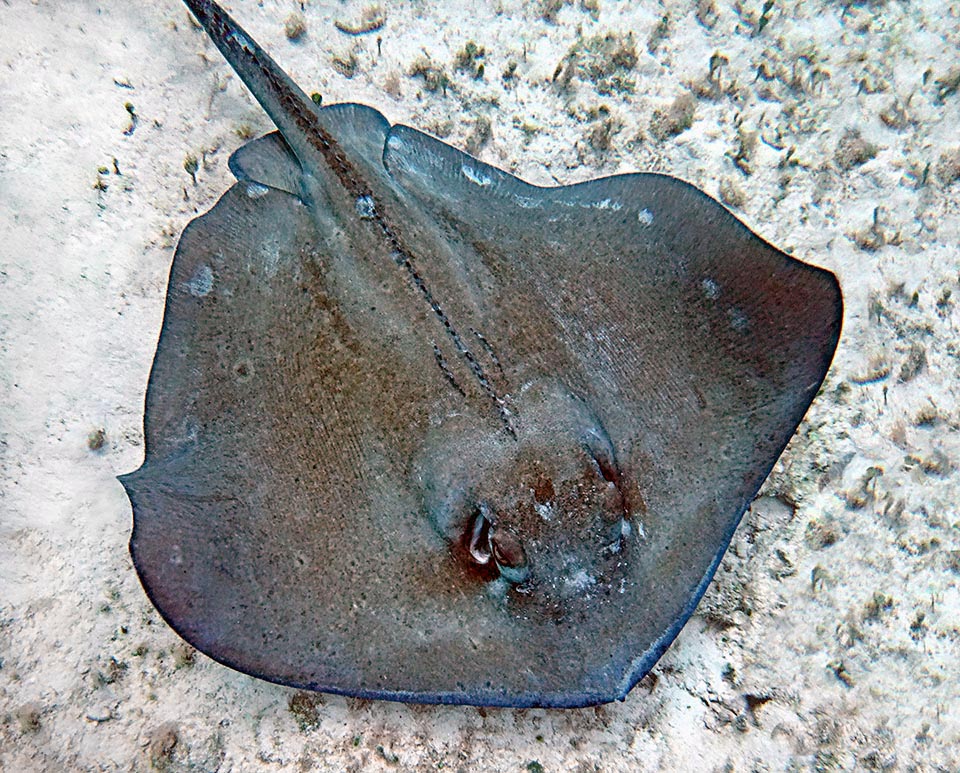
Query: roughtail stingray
[[418, 430]]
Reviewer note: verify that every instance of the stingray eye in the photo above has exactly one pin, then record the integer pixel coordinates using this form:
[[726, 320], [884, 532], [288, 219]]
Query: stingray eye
[[601, 453], [509, 554], [479, 537]]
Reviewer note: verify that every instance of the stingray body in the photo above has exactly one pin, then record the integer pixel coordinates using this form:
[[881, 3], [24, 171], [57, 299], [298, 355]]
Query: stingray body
[[418, 430]]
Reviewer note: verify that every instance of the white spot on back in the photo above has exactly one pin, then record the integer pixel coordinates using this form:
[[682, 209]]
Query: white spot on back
[[475, 176], [256, 190], [645, 216], [544, 511], [604, 204], [366, 207], [738, 320], [201, 283], [580, 581], [241, 41], [394, 142], [710, 288]]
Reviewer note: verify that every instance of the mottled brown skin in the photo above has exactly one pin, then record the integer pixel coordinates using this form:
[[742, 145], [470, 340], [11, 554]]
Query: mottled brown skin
[[417, 430]]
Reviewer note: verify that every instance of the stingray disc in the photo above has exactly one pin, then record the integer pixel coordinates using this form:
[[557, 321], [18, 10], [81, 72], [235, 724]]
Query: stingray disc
[[421, 431]]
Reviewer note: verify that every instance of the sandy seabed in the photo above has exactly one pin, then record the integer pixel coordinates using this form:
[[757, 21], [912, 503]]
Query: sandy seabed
[[831, 636]]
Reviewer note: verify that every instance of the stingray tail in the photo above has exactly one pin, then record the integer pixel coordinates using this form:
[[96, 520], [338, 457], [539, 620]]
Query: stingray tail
[[293, 112]]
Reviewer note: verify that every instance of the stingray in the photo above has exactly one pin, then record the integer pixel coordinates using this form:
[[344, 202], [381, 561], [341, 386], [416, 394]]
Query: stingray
[[418, 430]]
